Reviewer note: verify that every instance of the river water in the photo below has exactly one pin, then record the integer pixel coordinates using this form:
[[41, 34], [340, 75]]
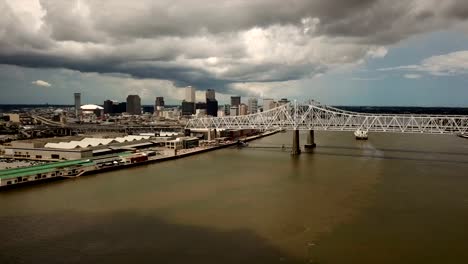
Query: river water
[[391, 199]]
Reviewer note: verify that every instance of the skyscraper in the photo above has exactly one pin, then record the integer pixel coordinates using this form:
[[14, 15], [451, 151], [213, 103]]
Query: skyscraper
[[211, 103], [134, 105], [108, 105], [268, 104], [210, 94], [212, 107], [243, 109], [159, 102], [159, 106], [252, 103], [235, 100], [77, 103], [227, 109], [188, 108], [190, 94], [234, 111]]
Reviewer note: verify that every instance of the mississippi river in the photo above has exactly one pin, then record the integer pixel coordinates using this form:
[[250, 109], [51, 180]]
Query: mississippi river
[[392, 199]]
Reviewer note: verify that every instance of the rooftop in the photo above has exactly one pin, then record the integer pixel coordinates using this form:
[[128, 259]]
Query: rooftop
[[44, 168]]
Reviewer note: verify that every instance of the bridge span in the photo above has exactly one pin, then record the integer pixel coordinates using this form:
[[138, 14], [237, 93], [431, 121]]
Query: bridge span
[[313, 116]]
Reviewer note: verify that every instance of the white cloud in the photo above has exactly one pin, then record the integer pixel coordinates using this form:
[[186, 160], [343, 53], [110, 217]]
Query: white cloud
[[455, 63], [41, 83], [412, 76]]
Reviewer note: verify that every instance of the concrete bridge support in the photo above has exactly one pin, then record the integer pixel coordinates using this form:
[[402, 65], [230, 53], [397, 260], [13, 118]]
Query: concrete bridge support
[[310, 141], [296, 147]]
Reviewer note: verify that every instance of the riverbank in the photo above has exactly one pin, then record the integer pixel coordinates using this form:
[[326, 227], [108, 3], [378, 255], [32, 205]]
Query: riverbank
[[184, 153], [77, 168]]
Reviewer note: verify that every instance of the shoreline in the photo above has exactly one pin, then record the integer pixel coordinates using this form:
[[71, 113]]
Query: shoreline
[[182, 155], [147, 162]]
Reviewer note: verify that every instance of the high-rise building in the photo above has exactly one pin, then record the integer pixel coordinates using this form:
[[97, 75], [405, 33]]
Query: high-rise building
[[210, 94], [159, 101], [121, 108], [159, 106], [268, 104], [235, 100], [211, 103], [134, 104], [113, 107], [108, 106], [200, 105], [190, 94], [234, 111], [212, 107], [188, 108], [243, 109], [227, 109], [252, 103], [77, 103]]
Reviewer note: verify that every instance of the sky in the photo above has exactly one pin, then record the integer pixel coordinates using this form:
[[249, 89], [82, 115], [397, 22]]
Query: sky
[[354, 52]]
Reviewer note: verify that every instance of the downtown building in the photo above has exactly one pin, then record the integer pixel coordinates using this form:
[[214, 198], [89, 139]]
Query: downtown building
[[235, 100], [77, 98], [252, 105], [133, 105], [114, 107], [211, 103]]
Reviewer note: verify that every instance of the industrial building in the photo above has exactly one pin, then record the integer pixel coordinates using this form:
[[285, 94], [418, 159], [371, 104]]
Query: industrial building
[[72, 148], [45, 171], [183, 143]]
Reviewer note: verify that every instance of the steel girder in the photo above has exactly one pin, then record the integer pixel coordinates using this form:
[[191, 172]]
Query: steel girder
[[315, 116]]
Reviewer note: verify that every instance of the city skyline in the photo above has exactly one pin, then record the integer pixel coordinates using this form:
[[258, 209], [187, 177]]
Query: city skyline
[[349, 56]]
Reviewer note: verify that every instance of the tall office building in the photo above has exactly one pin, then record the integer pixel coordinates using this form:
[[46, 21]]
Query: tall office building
[[134, 105], [190, 94], [234, 111], [188, 108], [159, 106], [210, 94], [243, 109], [77, 103], [268, 104], [211, 103], [252, 103], [235, 100], [159, 101], [108, 107], [227, 109], [212, 107]]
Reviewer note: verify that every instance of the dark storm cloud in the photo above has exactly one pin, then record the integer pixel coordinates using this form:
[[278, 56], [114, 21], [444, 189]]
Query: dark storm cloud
[[211, 44]]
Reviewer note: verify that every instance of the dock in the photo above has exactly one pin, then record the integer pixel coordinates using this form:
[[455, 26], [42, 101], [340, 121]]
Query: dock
[[77, 168]]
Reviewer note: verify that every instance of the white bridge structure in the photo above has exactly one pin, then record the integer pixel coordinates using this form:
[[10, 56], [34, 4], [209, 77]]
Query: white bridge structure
[[312, 116]]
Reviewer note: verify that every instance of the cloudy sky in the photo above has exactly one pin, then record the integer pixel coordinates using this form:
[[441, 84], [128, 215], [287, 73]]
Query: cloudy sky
[[353, 52]]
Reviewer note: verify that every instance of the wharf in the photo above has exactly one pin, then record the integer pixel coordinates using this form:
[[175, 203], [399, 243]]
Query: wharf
[[188, 153], [76, 168]]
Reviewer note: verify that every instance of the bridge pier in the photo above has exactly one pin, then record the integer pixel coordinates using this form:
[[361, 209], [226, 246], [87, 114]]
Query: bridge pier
[[310, 141], [296, 147]]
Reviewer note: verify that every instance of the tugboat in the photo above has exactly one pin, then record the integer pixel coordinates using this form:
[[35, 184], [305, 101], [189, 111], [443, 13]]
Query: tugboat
[[360, 134]]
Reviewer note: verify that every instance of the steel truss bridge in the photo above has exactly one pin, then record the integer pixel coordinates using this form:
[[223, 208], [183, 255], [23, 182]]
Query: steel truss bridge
[[312, 116], [315, 116]]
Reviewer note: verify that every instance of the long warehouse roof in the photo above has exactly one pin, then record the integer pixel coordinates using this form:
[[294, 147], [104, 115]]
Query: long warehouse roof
[[27, 171]]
